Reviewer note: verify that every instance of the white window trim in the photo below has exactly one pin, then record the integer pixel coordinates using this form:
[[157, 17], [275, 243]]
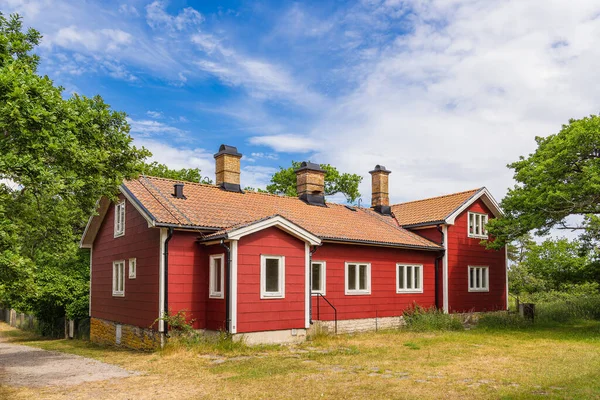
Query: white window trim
[[323, 278], [487, 282], [213, 294], [420, 266], [357, 292], [133, 274], [483, 223], [118, 293], [118, 206], [263, 278]]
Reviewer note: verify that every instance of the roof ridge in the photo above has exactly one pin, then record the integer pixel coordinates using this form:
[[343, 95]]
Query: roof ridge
[[208, 185], [439, 197]]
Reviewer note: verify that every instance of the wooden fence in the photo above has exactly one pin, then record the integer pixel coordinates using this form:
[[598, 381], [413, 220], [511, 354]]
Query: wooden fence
[[67, 328]]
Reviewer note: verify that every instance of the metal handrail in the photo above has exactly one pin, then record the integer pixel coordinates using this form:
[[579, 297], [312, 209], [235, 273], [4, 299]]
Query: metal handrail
[[331, 305]]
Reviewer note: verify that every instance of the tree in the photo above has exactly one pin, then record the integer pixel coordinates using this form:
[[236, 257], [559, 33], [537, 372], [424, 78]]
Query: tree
[[561, 179], [284, 182], [184, 174], [57, 157]]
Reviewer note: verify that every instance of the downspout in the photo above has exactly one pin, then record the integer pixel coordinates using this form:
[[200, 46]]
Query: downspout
[[228, 286], [313, 251], [166, 288], [437, 268]]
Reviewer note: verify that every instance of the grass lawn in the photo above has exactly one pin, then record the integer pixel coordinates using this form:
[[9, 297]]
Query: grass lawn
[[549, 362]]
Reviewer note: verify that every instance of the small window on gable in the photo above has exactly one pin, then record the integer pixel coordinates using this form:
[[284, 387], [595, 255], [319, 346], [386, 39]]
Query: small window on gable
[[409, 278], [120, 219], [272, 277], [358, 278], [477, 223], [132, 268], [216, 277], [318, 277], [479, 279], [118, 286]]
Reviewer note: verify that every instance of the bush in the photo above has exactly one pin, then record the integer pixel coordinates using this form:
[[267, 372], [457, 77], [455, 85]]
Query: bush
[[502, 320], [430, 319]]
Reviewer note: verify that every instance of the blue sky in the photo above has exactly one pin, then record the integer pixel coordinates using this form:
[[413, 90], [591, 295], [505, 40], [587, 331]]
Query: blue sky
[[443, 93]]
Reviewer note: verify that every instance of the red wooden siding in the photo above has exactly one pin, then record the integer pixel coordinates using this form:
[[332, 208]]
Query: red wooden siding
[[256, 314], [383, 300], [188, 277], [464, 251], [215, 308], [139, 306]]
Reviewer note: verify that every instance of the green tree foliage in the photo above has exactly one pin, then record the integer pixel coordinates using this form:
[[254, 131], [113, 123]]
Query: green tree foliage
[[559, 180], [283, 182], [184, 174], [58, 156]]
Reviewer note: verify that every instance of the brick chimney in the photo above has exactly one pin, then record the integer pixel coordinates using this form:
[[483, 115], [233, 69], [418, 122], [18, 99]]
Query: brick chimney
[[310, 183], [380, 193], [227, 168]]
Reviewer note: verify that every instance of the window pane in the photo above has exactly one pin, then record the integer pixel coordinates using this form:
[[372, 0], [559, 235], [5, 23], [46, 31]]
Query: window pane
[[417, 277], [351, 277], [484, 278], [217, 275], [477, 278], [471, 223], [316, 277], [409, 277], [401, 277], [363, 277], [471, 278], [272, 275]]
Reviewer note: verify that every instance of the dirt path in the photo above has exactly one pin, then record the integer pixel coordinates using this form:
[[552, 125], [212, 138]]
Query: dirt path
[[31, 367]]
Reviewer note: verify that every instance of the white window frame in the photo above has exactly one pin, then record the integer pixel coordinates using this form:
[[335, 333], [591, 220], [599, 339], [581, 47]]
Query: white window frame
[[118, 272], [119, 214], [477, 269], [280, 294], [212, 292], [404, 272], [357, 292], [483, 220], [323, 275], [132, 271]]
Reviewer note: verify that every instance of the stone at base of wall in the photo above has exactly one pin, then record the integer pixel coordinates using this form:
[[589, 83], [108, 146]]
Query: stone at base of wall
[[357, 325], [286, 336], [117, 334]]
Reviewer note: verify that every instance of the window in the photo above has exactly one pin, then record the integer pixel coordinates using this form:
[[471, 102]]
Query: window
[[358, 278], [132, 268], [409, 278], [216, 276], [318, 277], [477, 224], [479, 279], [120, 219], [118, 278], [272, 277]]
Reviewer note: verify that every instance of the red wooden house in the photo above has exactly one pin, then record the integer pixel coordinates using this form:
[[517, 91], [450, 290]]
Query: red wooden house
[[267, 267]]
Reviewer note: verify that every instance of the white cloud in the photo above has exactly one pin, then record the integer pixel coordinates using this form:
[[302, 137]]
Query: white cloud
[[154, 114], [128, 9], [287, 143], [268, 156], [177, 158], [147, 128], [158, 18], [75, 38], [256, 176]]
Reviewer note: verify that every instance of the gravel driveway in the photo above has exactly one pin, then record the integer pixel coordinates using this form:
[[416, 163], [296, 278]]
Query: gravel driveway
[[31, 367]]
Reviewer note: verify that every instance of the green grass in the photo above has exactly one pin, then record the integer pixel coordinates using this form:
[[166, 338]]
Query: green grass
[[498, 360]]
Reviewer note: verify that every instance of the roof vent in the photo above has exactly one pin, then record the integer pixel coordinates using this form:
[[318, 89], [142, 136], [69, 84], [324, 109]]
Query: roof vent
[[178, 191]]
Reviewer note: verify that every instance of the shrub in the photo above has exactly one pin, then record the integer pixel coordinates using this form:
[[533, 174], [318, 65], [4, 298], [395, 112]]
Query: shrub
[[502, 320], [430, 319]]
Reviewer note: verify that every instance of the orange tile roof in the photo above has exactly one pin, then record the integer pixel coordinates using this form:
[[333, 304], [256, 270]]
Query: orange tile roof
[[433, 209], [208, 206]]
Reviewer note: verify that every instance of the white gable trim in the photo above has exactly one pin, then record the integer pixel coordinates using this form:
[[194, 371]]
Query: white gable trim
[[233, 298], [278, 222], [487, 199], [445, 302]]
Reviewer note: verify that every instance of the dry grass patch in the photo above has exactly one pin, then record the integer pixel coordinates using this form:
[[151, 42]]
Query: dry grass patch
[[558, 362]]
